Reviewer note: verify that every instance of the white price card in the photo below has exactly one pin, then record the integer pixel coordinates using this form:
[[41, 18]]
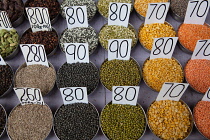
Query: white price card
[[119, 49], [28, 95], [119, 14], [125, 94], [206, 97], [77, 52], [76, 16], [156, 13], [172, 91], [197, 11], [71, 95], [2, 62], [39, 18], [34, 54], [163, 47], [5, 21], [202, 50]]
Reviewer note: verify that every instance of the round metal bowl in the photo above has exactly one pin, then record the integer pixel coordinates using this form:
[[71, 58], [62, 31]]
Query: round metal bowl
[[5, 119], [146, 121]]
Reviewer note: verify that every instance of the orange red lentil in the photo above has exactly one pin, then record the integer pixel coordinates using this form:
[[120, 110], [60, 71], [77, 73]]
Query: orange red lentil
[[202, 117], [189, 34], [197, 73]]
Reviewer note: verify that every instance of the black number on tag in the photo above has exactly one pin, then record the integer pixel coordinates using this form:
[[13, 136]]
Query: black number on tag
[[5, 20], [27, 96], [163, 43], [205, 47], [172, 88], [158, 14], [70, 13], [198, 5], [123, 9], [119, 90], [69, 97], [77, 51], [119, 49], [208, 94]]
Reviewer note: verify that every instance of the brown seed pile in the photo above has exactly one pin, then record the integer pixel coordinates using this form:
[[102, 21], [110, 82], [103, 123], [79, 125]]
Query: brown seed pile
[[202, 117], [30, 122], [36, 76]]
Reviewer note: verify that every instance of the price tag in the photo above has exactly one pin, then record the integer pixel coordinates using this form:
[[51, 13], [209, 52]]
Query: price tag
[[206, 97], [5, 21], [71, 95], [156, 13], [125, 94], [39, 19], [29, 96], [76, 16], [202, 50], [119, 14], [77, 52], [197, 11], [2, 62], [172, 91], [163, 47], [34, 54], [119, 49]]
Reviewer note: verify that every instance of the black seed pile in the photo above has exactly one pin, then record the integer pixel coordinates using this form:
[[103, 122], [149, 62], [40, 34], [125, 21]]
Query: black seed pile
[[6, 76], [2, 119], [76, 122], [78, 75]]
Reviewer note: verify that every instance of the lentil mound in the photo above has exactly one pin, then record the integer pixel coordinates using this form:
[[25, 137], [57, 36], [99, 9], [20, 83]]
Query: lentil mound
[[179, 7]]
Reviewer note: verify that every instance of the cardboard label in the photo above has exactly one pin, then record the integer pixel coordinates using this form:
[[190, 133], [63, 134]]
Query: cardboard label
[[2, 62], [5, 21], [202, 50], [206, 97]]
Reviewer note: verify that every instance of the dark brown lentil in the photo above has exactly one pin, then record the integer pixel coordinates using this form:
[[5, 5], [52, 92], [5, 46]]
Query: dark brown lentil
[[76, 122], [179, 7], [2, 119], [78, 75], [6, 76]]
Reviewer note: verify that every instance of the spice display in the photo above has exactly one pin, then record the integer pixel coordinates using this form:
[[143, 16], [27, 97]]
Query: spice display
[[6, 78], [103, 6], [78, 121], [2, 119], [120, 73], [52, 5], [36, 76], [90, 4], [47, 38], [189, 34], [148, 32], [14, 8], [117, 32], [9, 42], [141, 6], [30, 121], [123, 122], [80, 35], [160, 70], [202, 117], [197, 73], [78, 75], [179, 7], [170, 119]]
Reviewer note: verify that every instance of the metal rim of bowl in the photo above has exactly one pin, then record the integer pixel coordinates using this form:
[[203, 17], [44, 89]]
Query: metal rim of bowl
[[11, 86], [139, 30], [195, 121], [5, 120], [61, 48], [156, 58], [175, 15], [81, 63], [64, 105], [29, 104], [25, 65], [55, 47], [137, 104], [130, 26], [191, 118], [61, 10], [52, 20], [137, 64], [182, 47]]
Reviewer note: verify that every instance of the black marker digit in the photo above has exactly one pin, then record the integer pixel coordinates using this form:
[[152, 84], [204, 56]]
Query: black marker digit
[[207, 5], [183, 87], [127, 91], [40, 48], [172, 84], [31, 18], [38, 15], [78, 51], [120, 13], [170, 39], [37, 95], [83, 15], [120, 48], [30, 96], [82, 93], [194, 7], [118, 94], [114, 14], [68, 95], [204, 52], [152, 10], [110, 47], [159, 18], [70, 16], [67, 50], [158, 47]]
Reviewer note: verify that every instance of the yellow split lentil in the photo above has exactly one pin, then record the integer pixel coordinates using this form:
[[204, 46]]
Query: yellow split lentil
[[170, 120], [141, 6], [148, 32], [160, 70]]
